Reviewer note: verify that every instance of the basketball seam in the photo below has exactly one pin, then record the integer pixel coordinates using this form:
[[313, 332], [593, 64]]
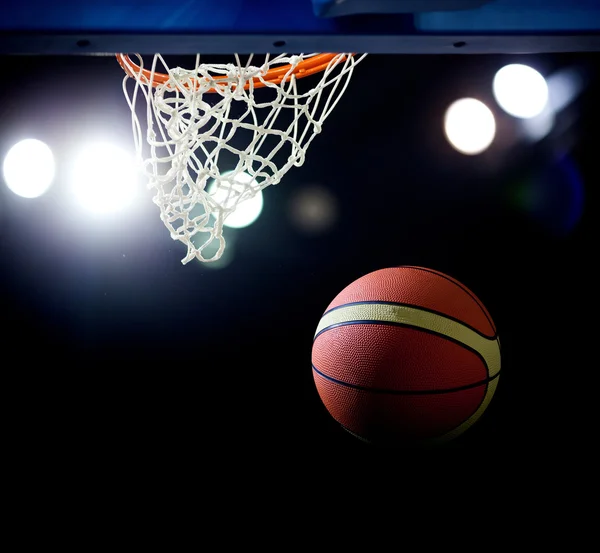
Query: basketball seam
[[483, 382]]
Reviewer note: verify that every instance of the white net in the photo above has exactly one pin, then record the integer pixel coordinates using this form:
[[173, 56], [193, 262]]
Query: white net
[[217, 134]]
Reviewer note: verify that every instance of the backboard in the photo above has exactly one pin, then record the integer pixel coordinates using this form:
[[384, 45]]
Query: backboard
[[260, 26]]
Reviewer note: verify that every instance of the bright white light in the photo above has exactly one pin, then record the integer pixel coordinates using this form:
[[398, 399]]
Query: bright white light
[[520, 90], [29, 168], [105, 178], [229, 192], [470, 126]]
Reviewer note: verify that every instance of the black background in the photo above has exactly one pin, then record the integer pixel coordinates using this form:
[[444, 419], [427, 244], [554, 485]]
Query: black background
[[112, 347]]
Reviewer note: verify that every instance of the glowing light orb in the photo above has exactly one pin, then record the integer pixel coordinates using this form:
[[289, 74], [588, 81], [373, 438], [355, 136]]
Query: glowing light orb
[[105, 179], [29, 168], [470, 126], [229, 192], [520, 90]]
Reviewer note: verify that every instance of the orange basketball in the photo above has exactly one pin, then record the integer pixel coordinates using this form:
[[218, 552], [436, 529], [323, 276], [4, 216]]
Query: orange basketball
[[406, 356]]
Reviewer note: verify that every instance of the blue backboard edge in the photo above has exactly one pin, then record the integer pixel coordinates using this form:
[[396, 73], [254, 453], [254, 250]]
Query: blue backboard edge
[[36, 43]]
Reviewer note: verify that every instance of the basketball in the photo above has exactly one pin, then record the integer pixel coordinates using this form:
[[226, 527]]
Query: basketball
[[406, 356]]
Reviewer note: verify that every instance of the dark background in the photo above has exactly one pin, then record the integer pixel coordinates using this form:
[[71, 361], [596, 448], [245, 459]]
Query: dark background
[[113, 347]]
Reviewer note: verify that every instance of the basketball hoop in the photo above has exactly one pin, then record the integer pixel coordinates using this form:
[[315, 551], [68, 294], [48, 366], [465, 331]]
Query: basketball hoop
[[215, 124]]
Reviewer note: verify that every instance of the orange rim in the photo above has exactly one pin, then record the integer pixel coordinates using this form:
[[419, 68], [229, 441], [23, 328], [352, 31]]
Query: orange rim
[[305, 68]]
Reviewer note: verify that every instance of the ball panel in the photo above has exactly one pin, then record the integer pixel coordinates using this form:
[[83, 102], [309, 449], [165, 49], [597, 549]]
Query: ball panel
[[382, 417], [393, 358], [421, 287]]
